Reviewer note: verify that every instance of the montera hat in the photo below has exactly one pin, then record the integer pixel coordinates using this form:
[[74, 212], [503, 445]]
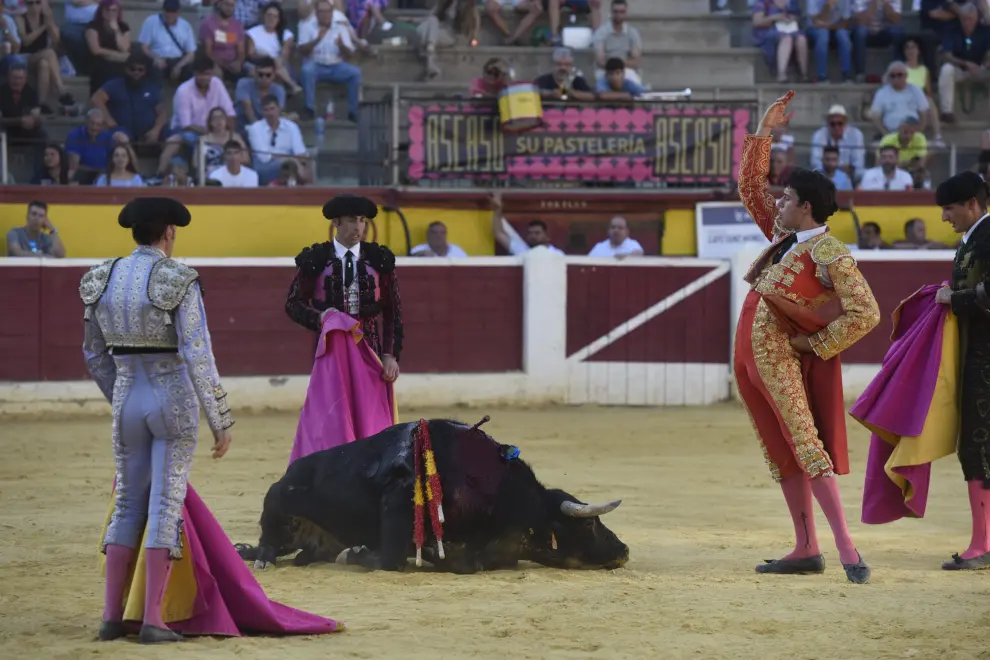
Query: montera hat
[[349, 206], [960, 188], [158, 211]]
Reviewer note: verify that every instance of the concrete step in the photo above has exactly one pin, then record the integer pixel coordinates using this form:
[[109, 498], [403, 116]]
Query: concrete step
[[430, 90], [665, 7], [674, 69]]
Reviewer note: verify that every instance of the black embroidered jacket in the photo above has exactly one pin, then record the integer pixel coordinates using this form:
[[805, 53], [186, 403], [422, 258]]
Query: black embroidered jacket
[[303, 308]]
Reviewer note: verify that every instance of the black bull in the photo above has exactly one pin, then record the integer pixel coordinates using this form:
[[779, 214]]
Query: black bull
[[354, 503]]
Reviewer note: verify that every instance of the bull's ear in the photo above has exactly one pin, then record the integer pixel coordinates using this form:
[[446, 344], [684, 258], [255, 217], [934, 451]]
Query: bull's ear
[[575, 510]]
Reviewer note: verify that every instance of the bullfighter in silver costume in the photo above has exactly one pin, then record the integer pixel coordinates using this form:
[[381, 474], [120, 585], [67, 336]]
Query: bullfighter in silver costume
[[148, 348]]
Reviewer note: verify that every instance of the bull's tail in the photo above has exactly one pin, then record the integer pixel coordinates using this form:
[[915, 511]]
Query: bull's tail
[[427, 480]]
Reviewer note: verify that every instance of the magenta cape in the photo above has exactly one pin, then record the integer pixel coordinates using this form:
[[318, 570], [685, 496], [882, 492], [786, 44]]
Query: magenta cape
[[911, 408], [347, 399], [211, 590]]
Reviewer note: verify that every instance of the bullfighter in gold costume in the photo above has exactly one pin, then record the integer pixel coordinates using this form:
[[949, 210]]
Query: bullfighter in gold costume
[[808, 302]]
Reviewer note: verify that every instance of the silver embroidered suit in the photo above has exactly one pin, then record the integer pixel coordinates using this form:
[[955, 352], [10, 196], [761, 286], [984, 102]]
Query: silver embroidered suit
[[148, 348]]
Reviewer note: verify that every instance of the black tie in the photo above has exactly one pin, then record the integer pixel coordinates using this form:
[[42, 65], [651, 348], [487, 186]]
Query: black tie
[[785, 245], [348, 270]]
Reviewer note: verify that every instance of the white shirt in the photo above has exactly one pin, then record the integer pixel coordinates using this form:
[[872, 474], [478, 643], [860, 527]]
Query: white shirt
[[806, 235], [266, 43], [606, 249], [287, 139], [326, 52], [351, 294], [452, 251], [246, 178], [969, 232], [518, 246], [875, 179]]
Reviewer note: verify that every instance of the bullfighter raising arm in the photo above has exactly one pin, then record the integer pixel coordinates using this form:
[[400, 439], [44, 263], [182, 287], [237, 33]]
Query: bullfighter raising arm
[[754, 171]]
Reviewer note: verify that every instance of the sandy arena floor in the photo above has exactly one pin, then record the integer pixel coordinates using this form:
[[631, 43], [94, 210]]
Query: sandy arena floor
[[699, 511]]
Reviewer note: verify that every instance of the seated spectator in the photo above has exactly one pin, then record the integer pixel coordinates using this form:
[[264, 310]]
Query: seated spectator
[[617, 86], [251, 89], [531, 10], [964, 55], [593, 8], [37, 238], [497, 75], [108, 38], [10, 42], [78, 15], [618, 244], [915, 237], [54, 170], [274, 139], [234, 174], [321, 45], [436, 244], [366, 14], [777, 34], [177, 175], [89, 146], [838, 133], [191, 106], [910, 142], [39, 38], [537, 234], [20, 112], [288, 175], [876, 23], [618, 39], [122, 169], [780, 169], [869, 237], [919, 76], [562, 83], [170, 43], [886, 175], [133, 104], [829, 21], [224, 40], [273, 40], [830, 168], [896, 101], [918, 170], [218, 133], [449, 20]]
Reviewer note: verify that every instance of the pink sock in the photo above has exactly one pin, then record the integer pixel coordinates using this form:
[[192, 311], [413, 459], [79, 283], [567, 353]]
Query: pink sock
[[119, 561], [797, 493], [158, 566], [826, 490], [979, 505]]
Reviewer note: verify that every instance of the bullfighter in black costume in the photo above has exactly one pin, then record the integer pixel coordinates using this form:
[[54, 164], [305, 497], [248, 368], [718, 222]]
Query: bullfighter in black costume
[[963, 199]]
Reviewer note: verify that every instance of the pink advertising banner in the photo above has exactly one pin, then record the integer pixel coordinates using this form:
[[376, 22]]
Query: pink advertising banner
[[688, 143]]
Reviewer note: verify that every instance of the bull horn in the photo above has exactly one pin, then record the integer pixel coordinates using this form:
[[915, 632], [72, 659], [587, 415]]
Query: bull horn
[[575, 510]]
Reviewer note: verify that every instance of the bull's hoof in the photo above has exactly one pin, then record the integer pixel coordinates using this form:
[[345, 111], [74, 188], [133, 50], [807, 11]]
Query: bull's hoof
[[261, 564], [246, 551], [304, 557], [351, 556]]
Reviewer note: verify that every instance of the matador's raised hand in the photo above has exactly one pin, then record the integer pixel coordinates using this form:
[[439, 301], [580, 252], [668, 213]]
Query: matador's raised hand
[[776, 115]]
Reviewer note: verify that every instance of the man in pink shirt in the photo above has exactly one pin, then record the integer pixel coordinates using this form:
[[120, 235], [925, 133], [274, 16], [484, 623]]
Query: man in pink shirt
[[191, 108]]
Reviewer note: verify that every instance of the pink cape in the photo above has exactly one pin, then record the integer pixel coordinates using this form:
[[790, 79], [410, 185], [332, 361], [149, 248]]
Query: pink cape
[[227, 600], [347, 398]]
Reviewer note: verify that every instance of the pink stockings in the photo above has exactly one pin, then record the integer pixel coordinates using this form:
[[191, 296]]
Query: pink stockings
[[979, 505], [798, 491], [158, 566]]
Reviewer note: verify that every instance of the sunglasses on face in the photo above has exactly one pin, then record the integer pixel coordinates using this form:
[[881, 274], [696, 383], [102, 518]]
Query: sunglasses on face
[[836, 124], [897, 75]]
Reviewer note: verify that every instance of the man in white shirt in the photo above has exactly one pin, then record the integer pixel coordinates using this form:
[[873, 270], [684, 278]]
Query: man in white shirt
[[320, 45], [436, 244], [618, 244], [887, 176], [233, 174], [536, 232], [272, 139]]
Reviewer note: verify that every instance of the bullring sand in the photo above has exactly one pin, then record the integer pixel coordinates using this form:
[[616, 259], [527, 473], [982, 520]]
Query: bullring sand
[[699, 510]]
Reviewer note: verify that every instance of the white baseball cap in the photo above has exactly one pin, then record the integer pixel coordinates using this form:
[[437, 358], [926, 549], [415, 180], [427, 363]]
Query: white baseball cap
[[836, 110]]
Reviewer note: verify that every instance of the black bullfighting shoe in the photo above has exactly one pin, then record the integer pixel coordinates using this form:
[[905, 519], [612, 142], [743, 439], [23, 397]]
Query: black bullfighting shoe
[[858, 573], [975, 564], [156, 635], [111, 630], [802, 566]]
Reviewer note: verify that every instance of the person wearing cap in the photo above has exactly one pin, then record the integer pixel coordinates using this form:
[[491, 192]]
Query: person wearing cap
[[169, 42], [346, 290], [963, 199], [147, 346], [837, 132]]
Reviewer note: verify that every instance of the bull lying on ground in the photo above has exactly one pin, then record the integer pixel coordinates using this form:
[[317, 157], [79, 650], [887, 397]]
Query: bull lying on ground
[[354, 503]]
